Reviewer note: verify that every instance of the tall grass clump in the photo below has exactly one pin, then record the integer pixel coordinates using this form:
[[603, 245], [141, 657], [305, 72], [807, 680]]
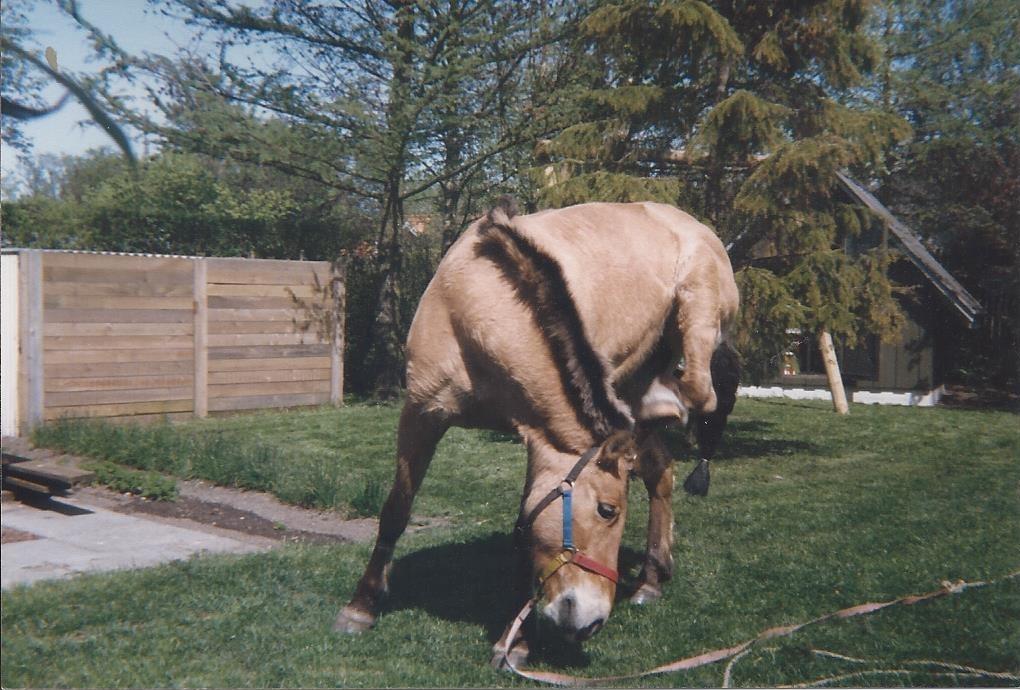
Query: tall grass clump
[[221, 457]]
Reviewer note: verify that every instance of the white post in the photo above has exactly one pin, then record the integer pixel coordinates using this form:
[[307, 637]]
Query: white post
[[10, 339]]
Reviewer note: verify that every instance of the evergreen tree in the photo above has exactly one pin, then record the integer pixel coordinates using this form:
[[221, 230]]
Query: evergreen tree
[[952, 73], [742, 112]]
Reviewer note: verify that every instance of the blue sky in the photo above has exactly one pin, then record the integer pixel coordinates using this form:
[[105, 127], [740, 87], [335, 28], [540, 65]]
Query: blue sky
[[137, 28]]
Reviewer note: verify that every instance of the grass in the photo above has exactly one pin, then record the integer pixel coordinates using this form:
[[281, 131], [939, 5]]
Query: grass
[[144, 483], [808, 513]]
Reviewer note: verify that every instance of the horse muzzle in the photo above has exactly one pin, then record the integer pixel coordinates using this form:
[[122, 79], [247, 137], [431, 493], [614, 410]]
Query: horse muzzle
[[580, 611]]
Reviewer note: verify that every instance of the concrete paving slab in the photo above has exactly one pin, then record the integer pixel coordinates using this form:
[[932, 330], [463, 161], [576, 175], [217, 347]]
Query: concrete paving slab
[[84, 537]]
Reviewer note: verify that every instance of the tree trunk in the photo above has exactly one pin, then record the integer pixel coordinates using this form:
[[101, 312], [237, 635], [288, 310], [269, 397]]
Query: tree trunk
[[385, 357], [832, 372]]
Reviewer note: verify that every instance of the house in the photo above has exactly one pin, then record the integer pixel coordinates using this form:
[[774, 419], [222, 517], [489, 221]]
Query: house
[[905, 373]]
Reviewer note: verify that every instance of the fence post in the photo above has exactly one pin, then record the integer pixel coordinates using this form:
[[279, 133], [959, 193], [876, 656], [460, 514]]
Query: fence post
[[201, 407], [338, 335], [30, 311]]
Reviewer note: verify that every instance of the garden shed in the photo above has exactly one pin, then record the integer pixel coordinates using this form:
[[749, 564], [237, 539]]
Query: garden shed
[[90, 334], [908, 372]]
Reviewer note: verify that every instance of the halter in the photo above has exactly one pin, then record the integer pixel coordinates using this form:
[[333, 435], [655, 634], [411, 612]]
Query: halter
[[570, 553]]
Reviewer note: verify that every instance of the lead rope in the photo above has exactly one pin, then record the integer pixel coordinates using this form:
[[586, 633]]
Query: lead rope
[[737, 650]]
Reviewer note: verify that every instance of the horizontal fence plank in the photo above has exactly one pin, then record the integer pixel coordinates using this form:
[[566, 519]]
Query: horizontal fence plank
[[152, 418], [107, 383], [243, 315], [123, 289], [236, 390], [268, 351], [119, 409], [75, 398], [115, 342], [116, 262], [221, 302], [95, 329], [118, 315], [236, 339], [267, 402], [115, 370], [268, 375], [89, 302], [269, 363], [218, 327], [238, 270], [105, 355], [174, 275], [306, 292]]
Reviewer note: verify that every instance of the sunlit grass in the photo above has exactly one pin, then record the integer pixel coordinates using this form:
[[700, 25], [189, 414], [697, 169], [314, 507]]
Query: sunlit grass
[[808, 513]]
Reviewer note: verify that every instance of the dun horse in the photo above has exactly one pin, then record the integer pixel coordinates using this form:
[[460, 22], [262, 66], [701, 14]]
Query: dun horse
[[568, 327]]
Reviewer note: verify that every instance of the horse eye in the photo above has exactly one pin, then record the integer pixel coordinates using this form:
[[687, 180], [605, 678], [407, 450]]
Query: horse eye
[[607, 511]]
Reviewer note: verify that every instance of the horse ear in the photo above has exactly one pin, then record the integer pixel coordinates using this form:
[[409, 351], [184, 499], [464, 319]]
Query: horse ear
[[619, 451]]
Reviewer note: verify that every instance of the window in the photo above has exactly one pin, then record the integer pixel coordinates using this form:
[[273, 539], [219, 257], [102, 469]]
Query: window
[[803, 359]]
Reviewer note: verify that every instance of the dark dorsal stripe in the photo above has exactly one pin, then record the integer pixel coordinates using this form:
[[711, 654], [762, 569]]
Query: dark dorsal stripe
[[539, 282]]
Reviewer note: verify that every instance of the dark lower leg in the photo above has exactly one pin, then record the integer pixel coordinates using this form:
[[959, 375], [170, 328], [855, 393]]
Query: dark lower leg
[[516, 649], [657, 473], [709, 427]]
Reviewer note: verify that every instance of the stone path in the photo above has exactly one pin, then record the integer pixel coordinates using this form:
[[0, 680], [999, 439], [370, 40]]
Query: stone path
[[59, 538]]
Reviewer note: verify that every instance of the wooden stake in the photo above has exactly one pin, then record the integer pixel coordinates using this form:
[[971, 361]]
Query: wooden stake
[[832, 372]]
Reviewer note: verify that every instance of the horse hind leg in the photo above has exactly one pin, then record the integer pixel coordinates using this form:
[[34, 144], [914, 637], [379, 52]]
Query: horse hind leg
[[656, 471], [709, 426], [417, 436]]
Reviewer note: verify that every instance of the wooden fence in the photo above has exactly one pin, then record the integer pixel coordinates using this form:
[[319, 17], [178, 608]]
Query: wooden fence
[[118, 335]]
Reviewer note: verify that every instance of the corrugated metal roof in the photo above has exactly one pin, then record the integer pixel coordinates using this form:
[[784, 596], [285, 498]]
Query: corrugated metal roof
[[18, 250], [935, 272]]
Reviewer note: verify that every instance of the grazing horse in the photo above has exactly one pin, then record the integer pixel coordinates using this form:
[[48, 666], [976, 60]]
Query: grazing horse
[[568, 327]]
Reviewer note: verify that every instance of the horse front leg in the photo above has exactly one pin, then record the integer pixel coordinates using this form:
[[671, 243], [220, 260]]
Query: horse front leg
[[417, 437], [656, 470], [512, 646]]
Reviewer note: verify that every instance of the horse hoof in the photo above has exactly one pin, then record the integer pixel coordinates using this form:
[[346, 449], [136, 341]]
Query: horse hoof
[[351, 621], [517, 656], [645, 594]]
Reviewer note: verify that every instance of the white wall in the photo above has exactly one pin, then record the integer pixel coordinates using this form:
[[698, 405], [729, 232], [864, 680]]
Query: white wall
[[911, 398], [9, 344]]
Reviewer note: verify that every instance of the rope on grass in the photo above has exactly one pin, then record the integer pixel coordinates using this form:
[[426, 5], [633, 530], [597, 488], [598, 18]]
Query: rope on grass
[[728, 673], [822, 682], [738, 651], [950, 668]]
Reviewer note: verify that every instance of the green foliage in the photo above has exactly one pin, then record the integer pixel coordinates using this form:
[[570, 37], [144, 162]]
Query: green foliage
[[608, 186], [42, 221], [739, 124], [144, 483], [751, 108], [952, 73], [642, 31], [769, 313], [369, 502], [228, 459]]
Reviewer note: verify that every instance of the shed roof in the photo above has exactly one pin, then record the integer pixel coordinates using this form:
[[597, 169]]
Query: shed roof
[[915, 250]]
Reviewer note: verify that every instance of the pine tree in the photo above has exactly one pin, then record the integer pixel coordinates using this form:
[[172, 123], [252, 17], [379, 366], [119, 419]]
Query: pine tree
[[952, 73], [742, 112]]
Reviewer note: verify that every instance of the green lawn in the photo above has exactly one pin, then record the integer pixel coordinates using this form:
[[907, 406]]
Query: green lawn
[[808, 513]]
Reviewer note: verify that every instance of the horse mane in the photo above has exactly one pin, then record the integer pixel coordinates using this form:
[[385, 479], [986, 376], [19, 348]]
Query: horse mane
[[540, 283]]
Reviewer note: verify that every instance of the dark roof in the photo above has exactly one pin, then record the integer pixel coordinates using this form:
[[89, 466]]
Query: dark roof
[[935, 272]]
